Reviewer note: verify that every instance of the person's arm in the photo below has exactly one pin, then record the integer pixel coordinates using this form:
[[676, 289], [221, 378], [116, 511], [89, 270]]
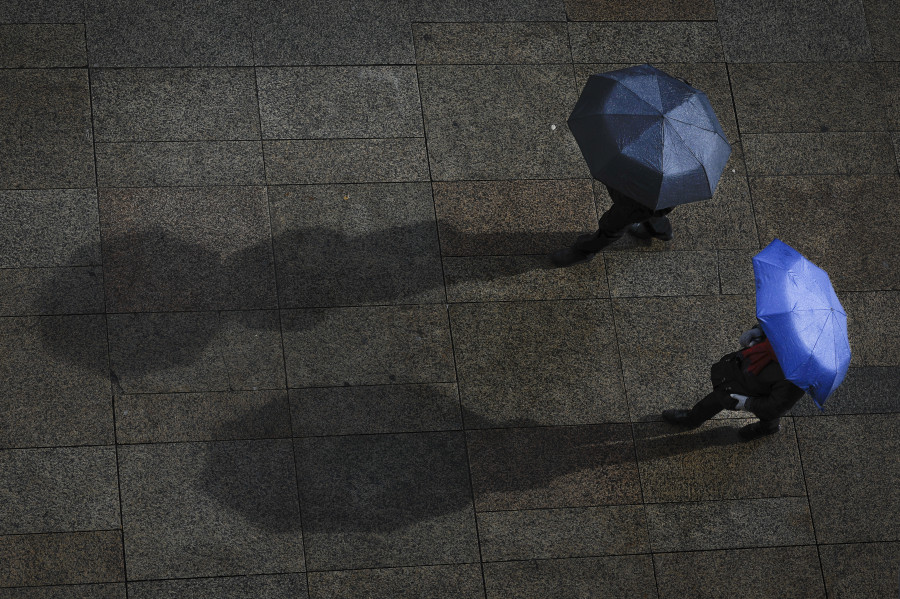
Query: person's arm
[[782, 398], [751, 337]]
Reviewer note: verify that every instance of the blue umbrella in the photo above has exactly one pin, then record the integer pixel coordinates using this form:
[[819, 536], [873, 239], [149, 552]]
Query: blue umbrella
[[650, 136], [802, 318]]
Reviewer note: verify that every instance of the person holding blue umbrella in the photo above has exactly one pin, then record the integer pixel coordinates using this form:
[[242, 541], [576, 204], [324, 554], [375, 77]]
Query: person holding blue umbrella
[[799, 345], [655, 142]]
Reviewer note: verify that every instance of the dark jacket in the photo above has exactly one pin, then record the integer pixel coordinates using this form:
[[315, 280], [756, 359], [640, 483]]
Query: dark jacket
[[771, 394]]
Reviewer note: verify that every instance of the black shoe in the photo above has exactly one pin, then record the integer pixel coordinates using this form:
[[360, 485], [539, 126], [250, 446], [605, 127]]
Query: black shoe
[[680, 417], [569, 256], [758, 429], [645, 231]]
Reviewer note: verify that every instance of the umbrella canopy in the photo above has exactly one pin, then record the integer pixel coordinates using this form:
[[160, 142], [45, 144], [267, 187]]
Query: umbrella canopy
[[802, 318], [651, 136]]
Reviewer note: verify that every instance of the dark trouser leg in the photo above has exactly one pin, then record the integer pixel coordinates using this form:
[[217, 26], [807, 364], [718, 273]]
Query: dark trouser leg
[[706, 408], [612, 225], [659, 225]]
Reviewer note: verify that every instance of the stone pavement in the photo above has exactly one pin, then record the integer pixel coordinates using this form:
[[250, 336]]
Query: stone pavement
[[277, 319]]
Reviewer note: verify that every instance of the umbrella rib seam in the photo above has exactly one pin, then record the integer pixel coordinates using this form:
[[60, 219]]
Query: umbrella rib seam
[[700, 162]]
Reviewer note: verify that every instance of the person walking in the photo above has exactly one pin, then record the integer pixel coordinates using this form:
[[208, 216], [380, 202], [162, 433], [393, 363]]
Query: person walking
[[625, 214], [749, 380]]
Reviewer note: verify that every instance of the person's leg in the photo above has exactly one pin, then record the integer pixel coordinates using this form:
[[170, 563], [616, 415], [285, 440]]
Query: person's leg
[[657, 226], [702, 411]]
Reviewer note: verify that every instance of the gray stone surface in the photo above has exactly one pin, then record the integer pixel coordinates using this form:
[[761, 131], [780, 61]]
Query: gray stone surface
[[554, 363], [553, 467], [174, 104], [854, 487], [618, 576], [187, 249], [210, 509], [54, 386], [861, 570], [793, 30], [675, 340], [272, 586], [159, 33], [499, 122], [834, 221], [569, 532], [45, 129], [662, 273], [333, 102], [862, 153], [641, 10], [367, 346], [307, 161], [49, 227], [461, 581], [375, 409], [865, 390], [339, 32], [512, 217], [386, 500], [356, 244], [58, 490], [645, 42], [711, 463], [516, 278], [491, 43], [226, 415], [882, 17], [872, 326], [42, 46], [170, 352], [61, 558], [63, 290], [776, 97], [81, 591], [708, 525], [151, 164], [736, 272], [47, 11], [740, 573], [465, 10]]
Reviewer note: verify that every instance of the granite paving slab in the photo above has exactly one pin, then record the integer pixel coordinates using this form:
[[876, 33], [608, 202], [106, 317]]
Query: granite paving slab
[[667, 346], [662, 273], [386, 500], [47, 11], [873, 328], [896, 137], [865, 390], [49, 227], [491, 43], [202, 416], [553, 467], [45, 291], [45, 129], [310, 161], [740, 573], [854, 487], [356, 244], [174, 104], [863, 153], [54, 382], [882, 17], [557, 533], [210, 509], [712, 463], [861, 570], [272, 586], [736, 272], [512, 217], [58, 490], [465, 10], [737, 524], [641, 10], [499, 122], [810, 97], [367, 346], [171, 352], [336, 102], [518, 278], [537, 363], [375, 409], [196, 248], [161, 33], [42, 46], [793, 31], [61, 558], [840, 223], [461, 581], [81, 591], [653, 42], [617, 576], [208, 163], [338, 32]]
